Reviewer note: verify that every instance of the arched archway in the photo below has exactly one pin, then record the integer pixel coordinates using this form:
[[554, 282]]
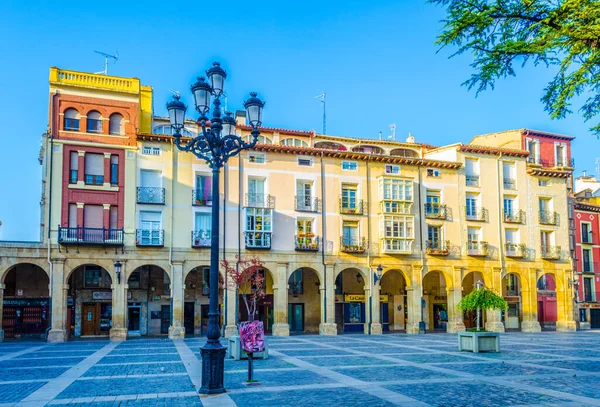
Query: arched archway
[[196, 300], [350, 306], [511, 291], [394, 303], [435, 312], [304, 301], [469, 282], [265, 306], [89, 302], [546, 298], [148, 301], [24, 302]]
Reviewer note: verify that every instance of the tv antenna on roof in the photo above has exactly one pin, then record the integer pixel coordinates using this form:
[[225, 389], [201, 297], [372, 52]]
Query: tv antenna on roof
[[106, 57], [321, 98]]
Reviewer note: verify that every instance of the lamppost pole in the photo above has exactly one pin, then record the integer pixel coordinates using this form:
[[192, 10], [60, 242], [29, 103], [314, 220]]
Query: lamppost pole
[[215, 144]]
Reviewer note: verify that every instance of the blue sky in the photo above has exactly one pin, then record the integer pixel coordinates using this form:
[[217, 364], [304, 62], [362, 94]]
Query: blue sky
[[375, 60]]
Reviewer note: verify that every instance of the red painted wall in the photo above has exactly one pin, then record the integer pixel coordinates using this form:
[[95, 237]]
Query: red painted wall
[[593, 219], [547, 147]]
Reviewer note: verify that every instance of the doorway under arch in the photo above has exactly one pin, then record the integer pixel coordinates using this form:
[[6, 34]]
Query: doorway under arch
[[350, 306], [512, 317], [304, 301], [148, 301], [546, 298], [196, 300], [435, 312], [393, 302]]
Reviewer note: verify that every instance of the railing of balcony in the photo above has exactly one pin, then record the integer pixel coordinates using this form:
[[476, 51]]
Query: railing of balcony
[[588, 296], [353, 245], [435, 211], [548, 218], [200, 198], [534, 159], [306, 203], [351, 207], [510, 183], [587, 238], [260, 201], [475, 248], [472, 180], [514, 216], [550, 252], [437, 248], [476, 214], [94, 179], [306, 243], [201, 238], [562, 162], [589, 266], [258, 240], [151, 195], [514, 250], [511, 292], [150, 237], [108, 237]]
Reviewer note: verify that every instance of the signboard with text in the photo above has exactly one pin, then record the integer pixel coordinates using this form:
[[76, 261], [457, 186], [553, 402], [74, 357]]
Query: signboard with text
[[361, 298]]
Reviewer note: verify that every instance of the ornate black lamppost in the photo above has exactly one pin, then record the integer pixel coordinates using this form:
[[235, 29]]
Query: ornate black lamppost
[[215, 144]]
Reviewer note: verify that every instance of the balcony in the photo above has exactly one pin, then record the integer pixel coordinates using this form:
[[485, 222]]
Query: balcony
[[588, 296], [550, 252], [472, 180], [510, 183], [306, 243], [200, 198], [476, 214], [396, 207], [257, 240], [435, 211], [437, 248], [514, 217], [589, 267], [477, 249], [151, 195], [94, 179], [259, 201], [587, 238], [201, 238], [355, 207], [564, 163], [534, 159], [91, 236], [548, 218], [307, 204], [353, 245], [515, 251], [396, 245], [149, 238]]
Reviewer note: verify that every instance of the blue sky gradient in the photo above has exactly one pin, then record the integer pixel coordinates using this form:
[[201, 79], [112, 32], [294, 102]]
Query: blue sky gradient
[[375, 60]]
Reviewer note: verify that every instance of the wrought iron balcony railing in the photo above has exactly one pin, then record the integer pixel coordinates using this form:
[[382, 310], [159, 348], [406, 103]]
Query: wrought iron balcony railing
[[588, 296], [151, 195], [199, 198], [564, 162], [353, 245], [149, 238], [201, 238], [351, 207], [438, 248], [305, 203], [477, 249], [306, 243], [435, 211], [514, 217], [260, 201], [92, 236], [472, 180], [589, 267], [514, 250], [510, 183], [534, 159], [550, 252], [258, 240], [548, 218], [476, 214], [94, 179], [587, 238]]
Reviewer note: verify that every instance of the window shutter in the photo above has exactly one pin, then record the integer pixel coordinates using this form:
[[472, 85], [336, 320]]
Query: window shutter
[[150, 178], [94, 164], [93, 216]]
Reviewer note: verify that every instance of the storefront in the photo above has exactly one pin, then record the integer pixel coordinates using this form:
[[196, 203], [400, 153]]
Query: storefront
[[512, 315], [92, 313], [439, 315], [354, 312], [25, 317]]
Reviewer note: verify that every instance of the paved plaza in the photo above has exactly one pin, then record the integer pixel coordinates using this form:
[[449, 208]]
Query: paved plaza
[[547, 369]]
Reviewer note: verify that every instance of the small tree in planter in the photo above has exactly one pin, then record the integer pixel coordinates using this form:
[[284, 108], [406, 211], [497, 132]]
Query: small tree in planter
[[482, 298], [245, 278]]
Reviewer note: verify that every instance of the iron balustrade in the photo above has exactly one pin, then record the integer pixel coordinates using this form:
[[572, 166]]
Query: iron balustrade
[[588, 296], [435, 211], [550, 252], [151, 195], [306, 203], [260, 201], [589, 266], [150, 237], [306, 243], [83, 236], [534, 159], [201, 238], [562, 162], [472, 180], [477, 248], [354, 207], [437, 248], [587, 238], [548, 218], [514, 216], [476, 214], [199, 198], [510, 183], [94, 179], [353, 245], [258, 240], [514, 250]]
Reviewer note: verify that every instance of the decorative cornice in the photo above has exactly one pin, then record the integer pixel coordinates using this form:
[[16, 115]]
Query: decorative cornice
[[469, 148], [586, 207], [541, 172]]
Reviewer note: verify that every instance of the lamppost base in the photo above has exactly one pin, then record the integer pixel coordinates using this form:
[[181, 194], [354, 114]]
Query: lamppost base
[[213, 366]]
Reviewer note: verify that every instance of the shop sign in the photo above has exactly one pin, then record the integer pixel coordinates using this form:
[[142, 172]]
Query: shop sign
[[361, 298], [156, 298], [440, 298], [19, 293], [33, 302], [102, 295], [252, 336], [512, 299], [588, 305]]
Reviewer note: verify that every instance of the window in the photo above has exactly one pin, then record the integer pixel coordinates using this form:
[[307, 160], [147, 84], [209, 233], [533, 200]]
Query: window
[[547, 239], [116, 124], [533, 147], [304, 227], [296, 285], [148, 150], [203, 223], [93, 276], [588, 293], [471, 206], [74, 165], [93, 216], [256, 192], [258, 219], [392, 169], [113, 218], [512, 285], [560, 156], [433, 173], [203, 192], [134, 280], [542, 183], [168, 130], [508, 170], [434, 234], [511, 236], [349, 165], [150, 228], [398, 226], [304, 195], [432, 203], [473, 235], [349, 192], [71, 120], [260, 140], [73, 216], [508, 206], [114, 169], [305, 161], [472, 172], [257, 158], [94, 122], [586, 234], [350, 234], [586, 255], [293, 142], [395, 189], [94, 169]]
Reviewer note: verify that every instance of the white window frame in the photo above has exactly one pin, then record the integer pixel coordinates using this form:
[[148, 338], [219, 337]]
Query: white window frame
[[151, 150], [352, 163]]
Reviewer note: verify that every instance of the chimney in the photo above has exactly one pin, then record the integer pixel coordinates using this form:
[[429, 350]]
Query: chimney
[[240, 117], [584, 173], [410, 138]]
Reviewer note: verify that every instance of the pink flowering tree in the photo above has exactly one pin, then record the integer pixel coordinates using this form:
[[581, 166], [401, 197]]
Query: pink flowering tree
[[246, 277]]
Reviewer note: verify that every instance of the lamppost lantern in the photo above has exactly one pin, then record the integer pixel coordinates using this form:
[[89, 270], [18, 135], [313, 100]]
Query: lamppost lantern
[[254, 107], [202, 94], [228, 124], [378, 273], [118, 267], [176, 109], [216, 76]]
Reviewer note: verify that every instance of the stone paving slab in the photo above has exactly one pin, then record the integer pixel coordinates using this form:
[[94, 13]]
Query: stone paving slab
[[141, 369], [17, 392], [39, 362], [118, 387], [139, 358], [31, 373]]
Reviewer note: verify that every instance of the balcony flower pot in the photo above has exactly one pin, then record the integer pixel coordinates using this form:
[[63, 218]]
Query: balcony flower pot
[[310, 235]]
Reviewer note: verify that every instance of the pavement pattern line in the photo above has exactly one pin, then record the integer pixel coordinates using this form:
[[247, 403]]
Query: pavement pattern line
[[19, 353]]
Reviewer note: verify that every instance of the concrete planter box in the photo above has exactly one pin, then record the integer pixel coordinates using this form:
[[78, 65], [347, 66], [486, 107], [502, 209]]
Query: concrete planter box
[[479, 341], [236, 352]]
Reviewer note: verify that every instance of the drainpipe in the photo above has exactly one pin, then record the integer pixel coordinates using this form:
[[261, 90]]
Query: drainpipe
[[422, 253], [324, 237], [502, 259], [226, 187], [368, 245], [174, 178], [49, 140]]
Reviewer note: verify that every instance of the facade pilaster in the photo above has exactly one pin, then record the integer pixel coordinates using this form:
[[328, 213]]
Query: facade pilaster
[[280, 296], [106, 170], [376, 327], [493, 320], [564, 299], [368, 308], [231, 328], [177, 328], [529, 305], [455, 318], [118, 332], [328, 325], [414, 295], [58, 291], [81, 167]]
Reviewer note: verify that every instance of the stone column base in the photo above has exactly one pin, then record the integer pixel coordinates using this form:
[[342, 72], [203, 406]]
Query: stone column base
[[327, 329], [176, 332], [376, 328], [57, 335], [566, 326], [495, 327], [118, 334], [412, 328], [585, 325], [230, 330], [454, 327], [530, 326], [280, 329]]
